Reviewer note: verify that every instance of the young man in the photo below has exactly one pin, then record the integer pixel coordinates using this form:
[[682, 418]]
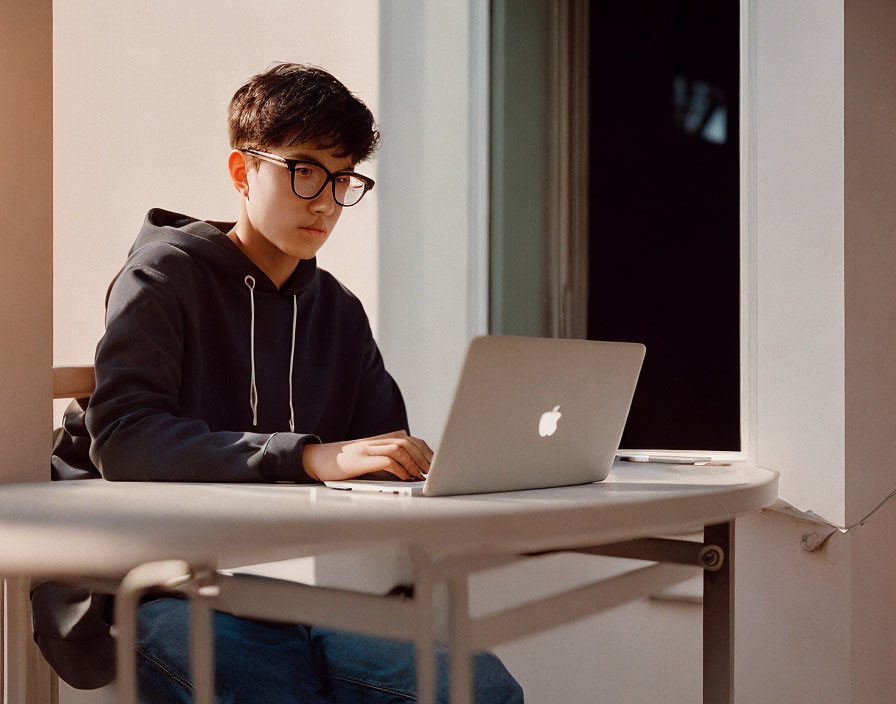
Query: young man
[[229, 357]]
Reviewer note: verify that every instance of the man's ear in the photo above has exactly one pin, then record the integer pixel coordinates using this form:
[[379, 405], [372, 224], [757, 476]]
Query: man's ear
[[236, 164]]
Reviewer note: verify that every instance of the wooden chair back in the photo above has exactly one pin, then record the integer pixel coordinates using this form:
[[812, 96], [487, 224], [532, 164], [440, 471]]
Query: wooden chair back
[[73, 381]]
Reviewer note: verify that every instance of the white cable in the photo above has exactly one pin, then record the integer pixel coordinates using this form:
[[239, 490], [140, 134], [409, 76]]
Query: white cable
[[862, 522]]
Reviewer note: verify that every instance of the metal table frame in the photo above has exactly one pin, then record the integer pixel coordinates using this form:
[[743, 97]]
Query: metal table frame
[[411, 619]]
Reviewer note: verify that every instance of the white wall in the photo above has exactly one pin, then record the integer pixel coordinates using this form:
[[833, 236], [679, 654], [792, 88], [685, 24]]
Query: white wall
[[870, 252], [870, 288], [432, 222], [792, 614], [821, 626], [797, 125], [141, 94]]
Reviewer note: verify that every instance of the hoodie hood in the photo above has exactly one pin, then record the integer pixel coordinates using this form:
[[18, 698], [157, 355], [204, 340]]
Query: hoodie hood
[[207, 240]]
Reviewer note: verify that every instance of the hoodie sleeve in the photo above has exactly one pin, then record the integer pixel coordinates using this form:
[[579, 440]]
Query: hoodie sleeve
[[137, 428], [379, 407]]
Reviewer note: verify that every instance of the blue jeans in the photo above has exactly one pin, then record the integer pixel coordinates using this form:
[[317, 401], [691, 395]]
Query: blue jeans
[[282, 664]]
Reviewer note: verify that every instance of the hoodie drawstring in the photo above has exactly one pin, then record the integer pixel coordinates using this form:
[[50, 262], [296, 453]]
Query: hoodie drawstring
[[292, 355], [253, 389]]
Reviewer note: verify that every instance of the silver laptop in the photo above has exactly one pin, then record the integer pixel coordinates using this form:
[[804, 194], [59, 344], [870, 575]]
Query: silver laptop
[[529, 413]]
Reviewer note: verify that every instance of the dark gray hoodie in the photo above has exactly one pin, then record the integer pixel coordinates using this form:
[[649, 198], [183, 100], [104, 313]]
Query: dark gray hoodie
[[208, 372]]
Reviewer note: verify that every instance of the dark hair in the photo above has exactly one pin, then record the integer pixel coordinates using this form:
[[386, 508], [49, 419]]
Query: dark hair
[[295, 103]]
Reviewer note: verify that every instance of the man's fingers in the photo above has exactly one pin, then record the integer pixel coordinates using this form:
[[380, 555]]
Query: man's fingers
[[419, 450], [424, 449], [397, 469], [383, 463], [415, 447], [415, 452], [408, 457], [398, 453]]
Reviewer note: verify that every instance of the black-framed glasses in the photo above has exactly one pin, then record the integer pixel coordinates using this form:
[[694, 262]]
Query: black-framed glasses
[[309, 180]]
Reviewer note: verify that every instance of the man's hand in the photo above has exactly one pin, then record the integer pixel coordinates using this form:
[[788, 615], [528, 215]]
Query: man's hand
[[394, 455]]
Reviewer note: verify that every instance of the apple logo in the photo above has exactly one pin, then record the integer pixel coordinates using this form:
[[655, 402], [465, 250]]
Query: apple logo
[[547, 425]]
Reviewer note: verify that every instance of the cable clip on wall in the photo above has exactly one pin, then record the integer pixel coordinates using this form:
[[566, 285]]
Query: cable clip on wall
[[816, 539]]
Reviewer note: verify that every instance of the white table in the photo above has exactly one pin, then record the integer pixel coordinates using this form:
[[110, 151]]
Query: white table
[[102, 531]]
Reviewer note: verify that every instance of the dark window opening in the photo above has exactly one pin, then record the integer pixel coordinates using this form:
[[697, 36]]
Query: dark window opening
[[664, 213]]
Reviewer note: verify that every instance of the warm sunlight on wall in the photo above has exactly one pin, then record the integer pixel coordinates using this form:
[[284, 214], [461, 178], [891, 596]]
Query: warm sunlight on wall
[[25, 223]]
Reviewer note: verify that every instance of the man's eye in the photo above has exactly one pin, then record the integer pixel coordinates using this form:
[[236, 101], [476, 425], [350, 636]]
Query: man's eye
[[343, 180], [303, 171]]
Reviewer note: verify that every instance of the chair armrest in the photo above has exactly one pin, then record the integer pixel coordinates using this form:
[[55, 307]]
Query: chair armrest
[[73, 381]]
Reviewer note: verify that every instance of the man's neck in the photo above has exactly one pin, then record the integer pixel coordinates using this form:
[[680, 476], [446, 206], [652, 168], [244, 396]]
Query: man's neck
[[275, 264]]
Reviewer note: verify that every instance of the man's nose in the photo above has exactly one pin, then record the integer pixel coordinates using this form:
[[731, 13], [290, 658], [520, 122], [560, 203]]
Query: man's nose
[[324, 202]]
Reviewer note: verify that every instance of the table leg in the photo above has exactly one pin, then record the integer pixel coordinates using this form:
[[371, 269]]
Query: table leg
[[2, 641], [202, 650], [459, 635], [718, 619], [29, 680], [424, 639], [137, 582], [424, 651]]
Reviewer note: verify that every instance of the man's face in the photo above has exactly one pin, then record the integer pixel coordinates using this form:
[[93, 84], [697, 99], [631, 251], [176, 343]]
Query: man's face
[[295, 226]]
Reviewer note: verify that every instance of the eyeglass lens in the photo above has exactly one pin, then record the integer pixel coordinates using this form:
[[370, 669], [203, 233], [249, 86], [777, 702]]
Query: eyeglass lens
[[309, 179]]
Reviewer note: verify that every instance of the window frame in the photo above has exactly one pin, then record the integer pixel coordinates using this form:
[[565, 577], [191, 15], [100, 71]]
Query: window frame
[[567, 208]]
